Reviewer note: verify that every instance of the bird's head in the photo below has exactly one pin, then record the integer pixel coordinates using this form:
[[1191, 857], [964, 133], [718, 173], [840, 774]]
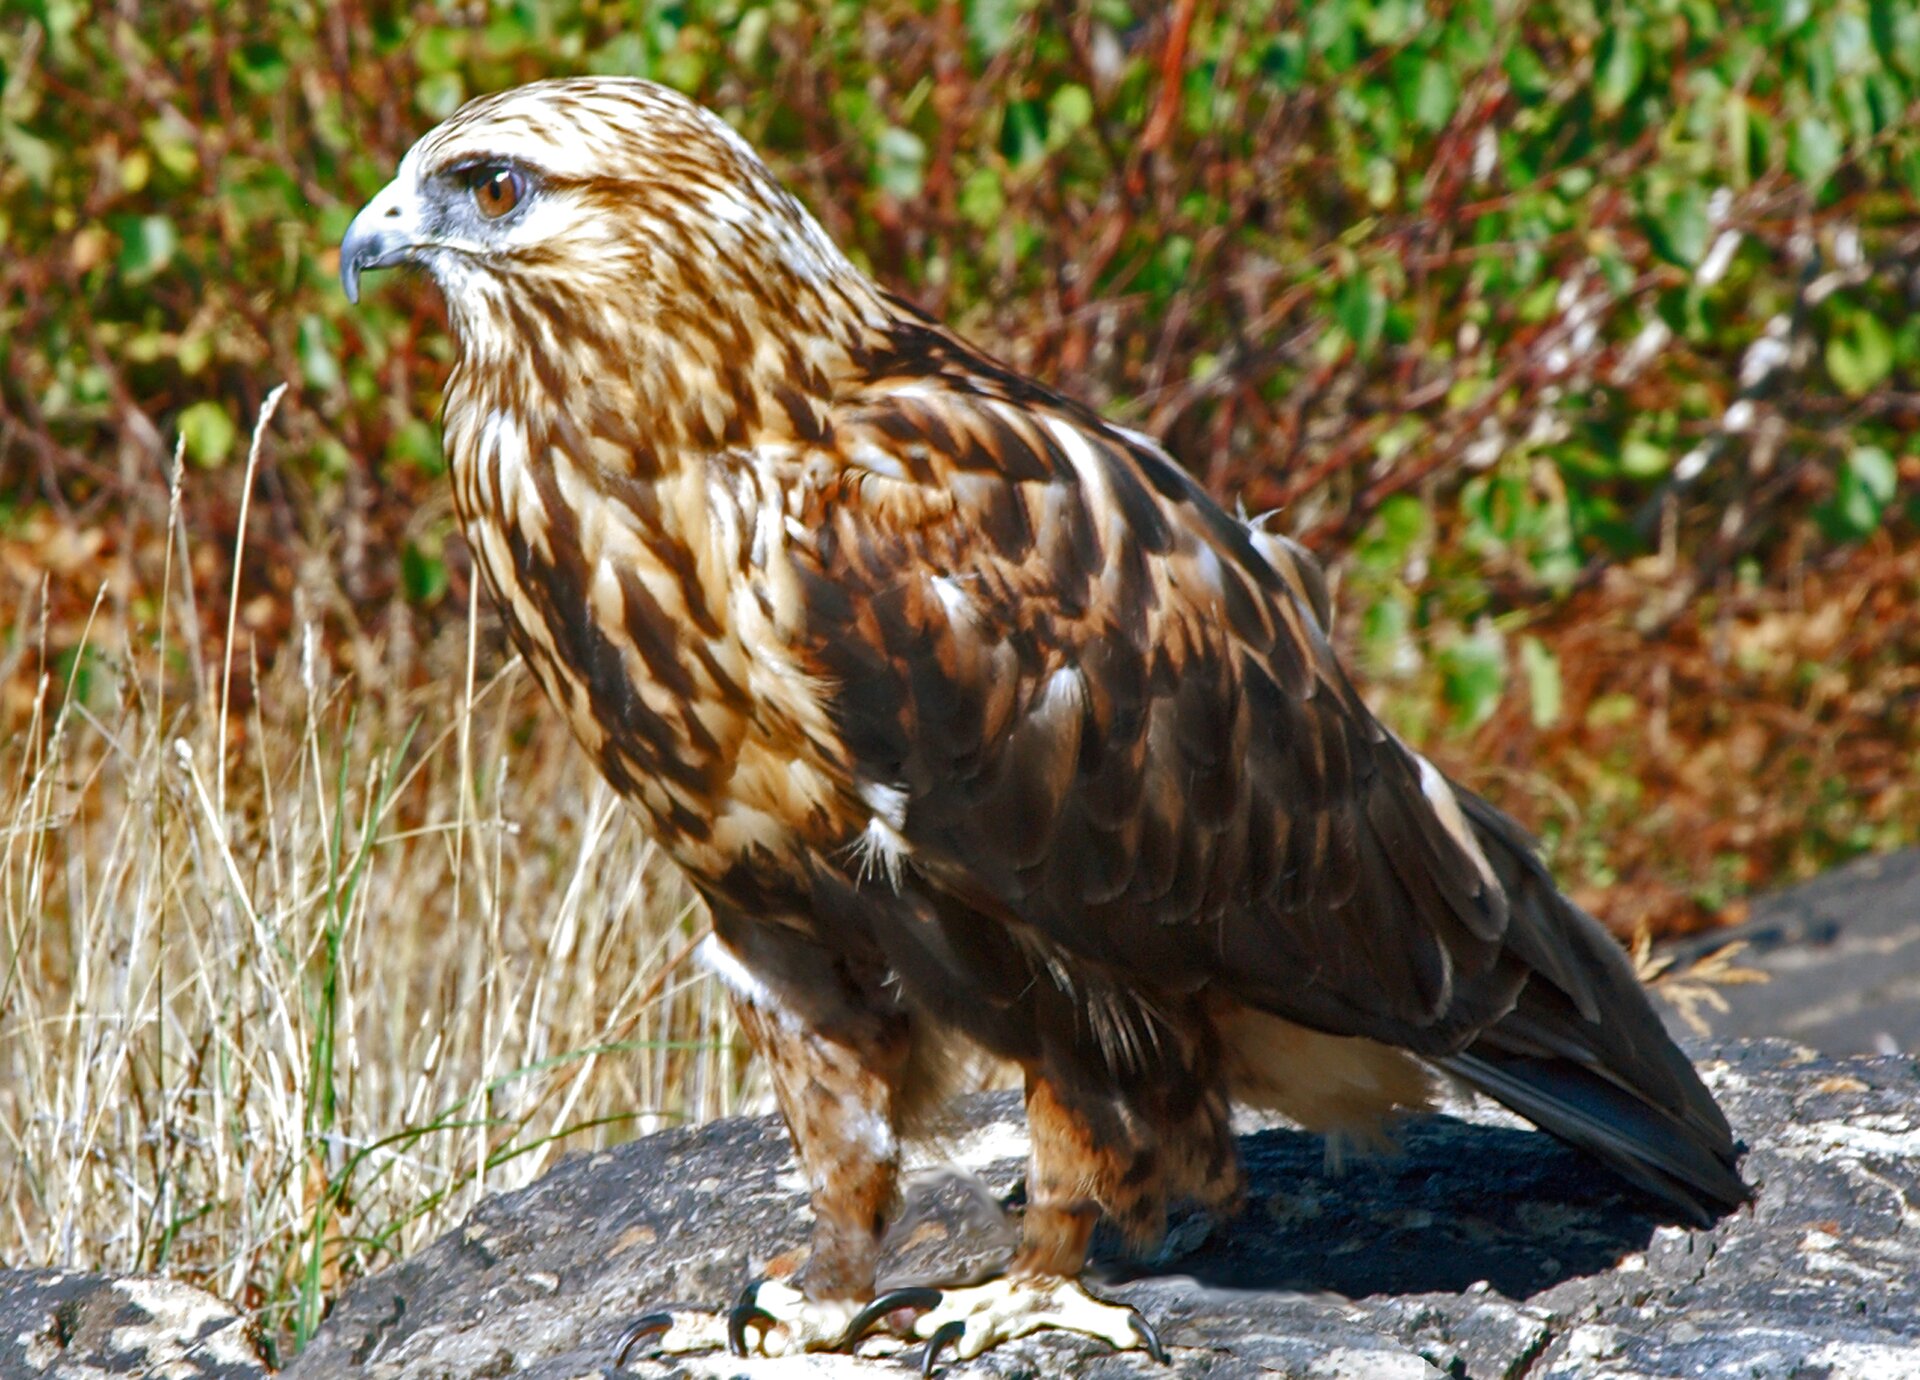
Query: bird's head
[[613, 217]]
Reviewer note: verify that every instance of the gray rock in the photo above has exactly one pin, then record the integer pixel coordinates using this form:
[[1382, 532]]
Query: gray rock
[[1843, 956], [71, 1326], [1482, 1250]]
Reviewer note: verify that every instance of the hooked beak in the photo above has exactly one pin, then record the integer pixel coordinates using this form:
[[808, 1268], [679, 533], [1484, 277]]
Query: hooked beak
[[386, 232]]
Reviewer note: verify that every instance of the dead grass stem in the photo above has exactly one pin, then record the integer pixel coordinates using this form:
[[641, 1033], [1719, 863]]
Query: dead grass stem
[[290, 978]]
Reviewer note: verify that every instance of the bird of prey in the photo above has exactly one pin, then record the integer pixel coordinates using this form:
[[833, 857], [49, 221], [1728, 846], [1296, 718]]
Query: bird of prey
[[976, 722]]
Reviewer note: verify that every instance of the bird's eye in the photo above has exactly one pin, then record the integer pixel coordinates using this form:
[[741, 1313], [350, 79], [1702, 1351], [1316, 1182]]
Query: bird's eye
[[496, 189]]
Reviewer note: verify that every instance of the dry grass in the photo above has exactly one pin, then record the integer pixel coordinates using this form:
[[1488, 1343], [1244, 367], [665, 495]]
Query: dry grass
[[296, 965]]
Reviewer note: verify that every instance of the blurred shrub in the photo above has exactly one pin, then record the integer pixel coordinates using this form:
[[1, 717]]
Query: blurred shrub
[[1492, 300]]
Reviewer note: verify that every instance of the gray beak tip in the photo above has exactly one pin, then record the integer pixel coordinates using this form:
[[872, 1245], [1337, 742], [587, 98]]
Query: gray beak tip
[[383, 234]]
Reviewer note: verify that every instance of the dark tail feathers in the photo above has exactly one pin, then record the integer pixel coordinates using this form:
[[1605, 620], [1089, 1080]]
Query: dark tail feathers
[[1582, 1053]]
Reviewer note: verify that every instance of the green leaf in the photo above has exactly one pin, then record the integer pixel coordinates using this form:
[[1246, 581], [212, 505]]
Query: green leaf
[[1171, 263], [1612, 710], [1068, 112], [1896, 33], [1388, 22], [424, 577], [1361, 310], [1386, 637], [1852, 44], [1382, 185], [1537, 303], [1285, 61], [418, 445], [1862, 491], [1643, 459], [1789, 15], [439, 94], [1814, 151], [991, 24], [1542, 670], [317, 362], [1401, 523], [1861, 357], [899, 163], [1023, 133], [34, 156], [1875, 471], [172, 140], [1527, 72], [1473, 673], [750, 38], [1330, 33], [624, 55], [439, 47], [1678, 226], [982, 199], [1435, 95], [682, 67], [209, 433], [261, 65], [1618, 68], [147, 245], [1739, 141]]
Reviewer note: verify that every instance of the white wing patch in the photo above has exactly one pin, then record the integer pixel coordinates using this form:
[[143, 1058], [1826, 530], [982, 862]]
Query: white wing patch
[[882, 850], [744, 985], [953, 599], [1440, 795]]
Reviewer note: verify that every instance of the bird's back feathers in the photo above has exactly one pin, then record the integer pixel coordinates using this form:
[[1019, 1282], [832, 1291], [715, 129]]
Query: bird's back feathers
[[1115, 721]]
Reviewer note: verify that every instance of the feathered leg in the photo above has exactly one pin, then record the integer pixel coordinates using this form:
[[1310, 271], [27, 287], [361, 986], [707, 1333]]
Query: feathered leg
[[836, 1052], [1078, 1166], [837, 1099], [1084, 1160]]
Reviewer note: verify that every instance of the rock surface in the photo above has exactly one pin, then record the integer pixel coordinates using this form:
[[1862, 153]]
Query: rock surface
[[69, 1325], [1484, 1250], [1842, 954]]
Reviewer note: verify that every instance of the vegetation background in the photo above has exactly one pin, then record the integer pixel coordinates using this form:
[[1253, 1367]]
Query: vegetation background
[[1579, 338]]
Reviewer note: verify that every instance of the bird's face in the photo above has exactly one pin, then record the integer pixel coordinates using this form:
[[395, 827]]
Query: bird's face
[[607, 237], [452, 215], [608, 182]]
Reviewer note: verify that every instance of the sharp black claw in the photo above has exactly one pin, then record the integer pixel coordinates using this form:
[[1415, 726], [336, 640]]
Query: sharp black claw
[[739, 1319], [1148, 1338], [944, 1337], [746, 1310], [917, 1299], [651, 1325]]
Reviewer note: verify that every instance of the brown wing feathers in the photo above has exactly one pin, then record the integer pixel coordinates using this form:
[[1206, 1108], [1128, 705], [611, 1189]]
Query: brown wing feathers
[[1120, 727]]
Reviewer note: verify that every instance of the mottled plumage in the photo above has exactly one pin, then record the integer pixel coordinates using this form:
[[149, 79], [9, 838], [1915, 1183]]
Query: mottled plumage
[[971, 716]]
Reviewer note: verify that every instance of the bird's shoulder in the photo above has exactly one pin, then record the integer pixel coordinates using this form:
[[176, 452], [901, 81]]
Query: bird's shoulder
[[947, 462]]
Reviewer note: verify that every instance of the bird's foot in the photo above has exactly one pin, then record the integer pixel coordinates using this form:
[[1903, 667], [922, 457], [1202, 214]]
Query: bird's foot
[[980, 1317], [768, 1319]]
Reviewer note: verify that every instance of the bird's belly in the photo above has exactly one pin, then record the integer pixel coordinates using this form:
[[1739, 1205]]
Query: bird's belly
[[1333, 1084]]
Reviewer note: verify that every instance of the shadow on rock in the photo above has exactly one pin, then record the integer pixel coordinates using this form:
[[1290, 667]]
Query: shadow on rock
[[1460, 1204]]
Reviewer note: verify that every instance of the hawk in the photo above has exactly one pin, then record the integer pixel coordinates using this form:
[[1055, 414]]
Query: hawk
[[975, 722]]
